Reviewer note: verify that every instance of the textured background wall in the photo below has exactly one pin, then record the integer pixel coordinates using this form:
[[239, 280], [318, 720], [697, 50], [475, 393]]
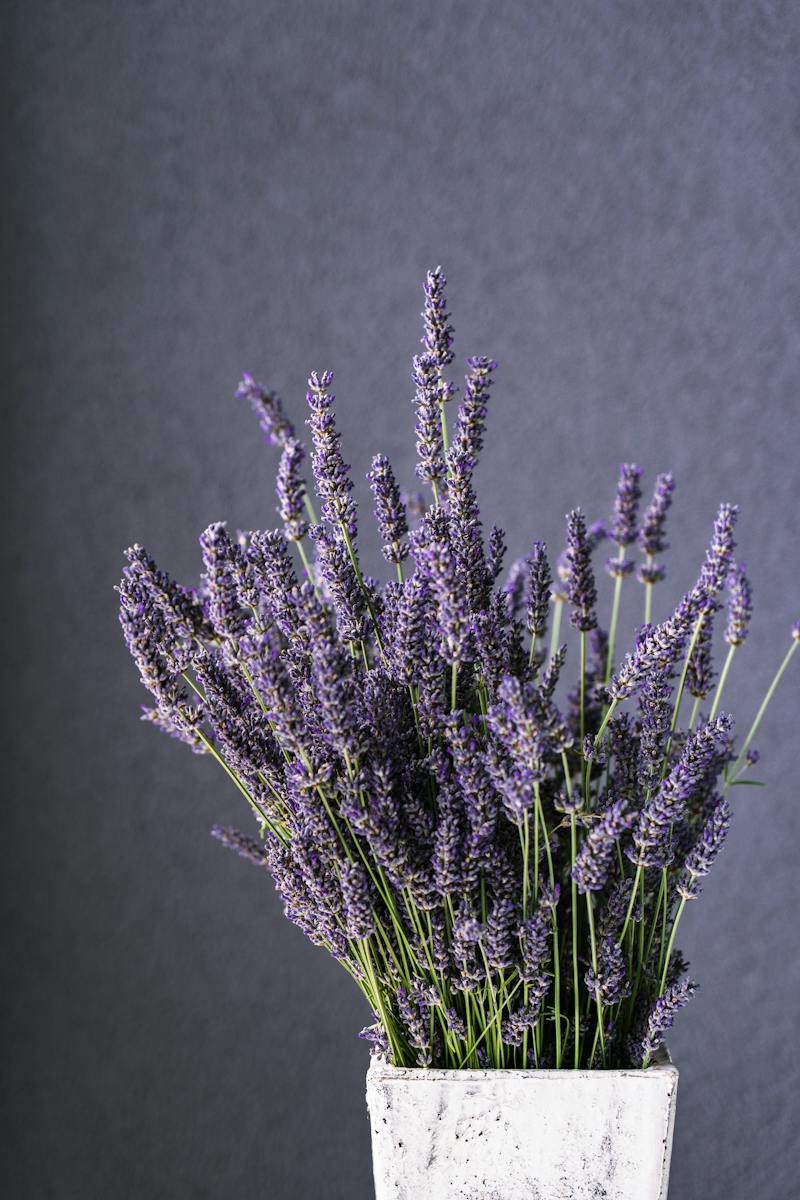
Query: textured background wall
[[194, 189]]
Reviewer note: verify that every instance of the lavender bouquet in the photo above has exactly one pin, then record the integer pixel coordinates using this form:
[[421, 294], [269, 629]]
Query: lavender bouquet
[[501, 870]]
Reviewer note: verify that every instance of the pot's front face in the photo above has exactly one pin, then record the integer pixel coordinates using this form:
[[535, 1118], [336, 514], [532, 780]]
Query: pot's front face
[[521, 1135]]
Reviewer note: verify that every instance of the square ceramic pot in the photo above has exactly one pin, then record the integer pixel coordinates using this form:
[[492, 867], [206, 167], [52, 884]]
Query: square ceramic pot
[[521, 1135]]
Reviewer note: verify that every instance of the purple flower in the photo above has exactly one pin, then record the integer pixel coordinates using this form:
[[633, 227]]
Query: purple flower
[[652, 837], [609, 983], [435, 557], [516, 587], [497, 552], [438, 337], [180, 612], [466, 535], [143, 627], [407, 642], [659, 1019], [581, 588], [535, 939], [719, 555], [222, 559], [740, 604], [275, 580], [339, 578], [268, 408], [479, 797], [359, 901], [613, 913], [390, 512], [593, 861], [702, 856], [655, 703], [415, 1019], [539, 587], [700, 668], [331, 472], [448, 854], [471, 424], [651, 534], [657, 651], [247, 847], [430, 393], [291, 490], [622, 529]]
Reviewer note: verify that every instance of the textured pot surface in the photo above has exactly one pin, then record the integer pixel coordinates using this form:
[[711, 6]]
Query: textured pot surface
[[509, 1135]]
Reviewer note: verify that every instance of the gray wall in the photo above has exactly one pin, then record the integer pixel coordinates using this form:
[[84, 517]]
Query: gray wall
[[195, 189]]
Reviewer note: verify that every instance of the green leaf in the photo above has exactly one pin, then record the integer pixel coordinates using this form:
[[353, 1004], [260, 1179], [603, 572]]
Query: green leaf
[[748, 783]]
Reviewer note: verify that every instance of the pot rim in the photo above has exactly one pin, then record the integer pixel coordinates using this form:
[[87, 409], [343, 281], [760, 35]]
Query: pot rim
[[662, 1066]]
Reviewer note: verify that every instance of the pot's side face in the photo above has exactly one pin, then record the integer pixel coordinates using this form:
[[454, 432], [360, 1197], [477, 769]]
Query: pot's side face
[[521, 1135]]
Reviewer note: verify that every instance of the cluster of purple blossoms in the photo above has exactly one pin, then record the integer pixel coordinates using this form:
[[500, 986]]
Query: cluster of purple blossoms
[[495, 836]]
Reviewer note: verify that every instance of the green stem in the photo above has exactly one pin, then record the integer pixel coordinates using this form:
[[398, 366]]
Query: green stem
[[558, 608], [677, 708], [760, 714], [532, 650], [670, 944], [360, 578], [722, 681], [445, 438], [525, 841], [488, 1026], [648, 596], [573, 837], [600, 1019], [612, 629], [632, 903], [306, 564], [309, 507], [608, 715], [583, 688]]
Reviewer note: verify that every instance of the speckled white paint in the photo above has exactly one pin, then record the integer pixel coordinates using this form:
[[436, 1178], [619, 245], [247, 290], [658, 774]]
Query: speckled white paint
[[521, 1135]]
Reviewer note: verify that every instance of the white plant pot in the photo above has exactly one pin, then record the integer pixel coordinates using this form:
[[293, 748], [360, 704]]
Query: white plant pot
[[521, 1135]]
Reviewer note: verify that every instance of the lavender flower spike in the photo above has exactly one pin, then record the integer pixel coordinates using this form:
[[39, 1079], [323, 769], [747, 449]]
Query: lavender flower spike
[[358, 898], [390, 511], [657, 651], [623, 525], [540, 584], [245, 846], [331, 472], [700, 668], [702, 856], [610, 983], [220, 555], [651, 534], [291, 491], [660, 1018], [468, 440], [720, 552], [268, 407], [438, 337], [740, 605], [430, 447], [593, 862], [581, 588]]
